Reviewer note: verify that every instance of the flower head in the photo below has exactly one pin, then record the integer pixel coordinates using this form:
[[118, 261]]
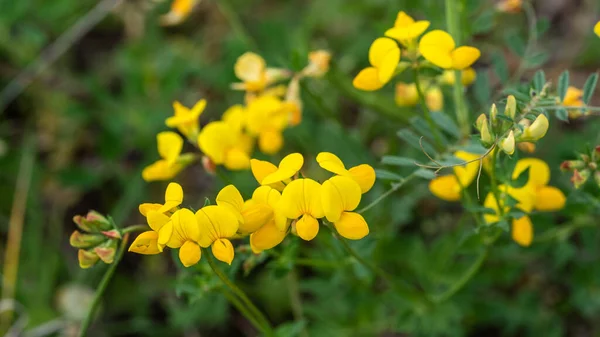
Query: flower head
[[384, 56], [597, 28], [406, 29], [185, 119], [225, 145], [275, 176], [170, 145], [252, 70], [340, 195], [318, 63], [363, 175], [468, 76], [574, 98], [301, 200], [439, 48], [274, 231], [266, 118], [251, 214], [218, 224], [536, 130]]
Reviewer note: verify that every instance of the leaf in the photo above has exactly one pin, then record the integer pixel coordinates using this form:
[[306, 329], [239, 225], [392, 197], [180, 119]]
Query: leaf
[[562, 115], [397, 161], [589, 87], [539, 79], [206, 202], [413, 140], [481, 88], [521, 180], [500, 66], [563, 85], [515, 43], [483, 23], [425, 173], [387, 175], [537, 59], [446, 123]]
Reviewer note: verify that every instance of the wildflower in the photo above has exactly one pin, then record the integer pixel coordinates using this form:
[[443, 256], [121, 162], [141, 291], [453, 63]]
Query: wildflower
[[439, 48], [217, 225], [225, 145], [277, 176], [508, 143], [274, 231], [406, 29], [449, 187], [486, 137], [293, 104], [597, 28], [318, 64], [434, 99], [170, 145], [301, 201], [467, 77], [252, 70], [574, 98], [180, 10], [363, 175], [384, 56], [406, 94], [510, 6], [97, 241], [340, 195], [266, 118], [251, 214], [185, 119], [511, 107], [536, 130], [534, 195], [183, 232]]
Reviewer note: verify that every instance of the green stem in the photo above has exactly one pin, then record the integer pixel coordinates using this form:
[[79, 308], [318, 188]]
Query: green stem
[[408, 292], [102, 287], [135, 228], [295, 299], [242, 309], [266, 326], [494, 182], [462, 115], [426, 112], [393, 189]]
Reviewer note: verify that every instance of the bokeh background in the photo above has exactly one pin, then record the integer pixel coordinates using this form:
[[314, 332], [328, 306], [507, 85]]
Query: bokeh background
[[85, 127]]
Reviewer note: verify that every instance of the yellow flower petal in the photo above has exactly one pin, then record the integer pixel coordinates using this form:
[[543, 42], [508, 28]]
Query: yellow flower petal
[[288, 167], [436, 47], [463, 57], [407, 33], [223, 144], [173, 197], [434, 99], [368, 80], [490, 202], [250, 67], [446, 188], [222, 249], [536, 130], [216, 222], [267, 195], [573, 97], [147, 207], [331, 163], [156, 220], [189, 253], [539, 172], [403, 20], [549, 199], [229, 196], [597, 29], [301, 196], [307, 227], [255, 215], [235, 117], [352, 226], [261, 169], [522, 231], [236, 159], [164, 235], [169, 146], [379, 50], [388, 65], [266, 237], [161, 170], [339, 194], [364, 175], [467, 172], [146, 243], [186, 225], [270, 141]]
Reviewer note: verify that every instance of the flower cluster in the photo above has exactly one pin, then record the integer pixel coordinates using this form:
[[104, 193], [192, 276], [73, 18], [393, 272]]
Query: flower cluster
[[587, 166], [97, 240], [269, 109], [283, 203]]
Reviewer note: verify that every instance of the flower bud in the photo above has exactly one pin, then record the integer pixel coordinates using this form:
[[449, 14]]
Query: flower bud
[[106, 251], [536, 130], [209, 165], [434, 99], [486, 137], [87, 258], [93, 222], [569, 165], [526, 147], [580, 177], [318, 63], [80, 240], [511, 107], [597, 178], [112, 234], [482, 119], [493, 114], [508, 144]]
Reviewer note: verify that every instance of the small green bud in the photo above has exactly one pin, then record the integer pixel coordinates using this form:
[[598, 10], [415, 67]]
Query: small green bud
[[511, 107], [580, 177], [93, 222], [569, 165], [508, 144], [106, 252], [80, 240], [482, 119], [87, 258], [486, 137]]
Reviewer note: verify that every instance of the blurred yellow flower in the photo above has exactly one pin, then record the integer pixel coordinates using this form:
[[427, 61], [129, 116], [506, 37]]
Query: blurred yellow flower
[[266, 118], [301, 201], [574, 98], [276, 177], [439, 48], [224, 145], [384, 56], [217, 225], [185, 119], [434, 98], [449, 187], [406, 29], [407, 95], [318, 64], [340, 195], [597, 28], [468, 76], [180, 10], [170, 145], [363, 175], [252, 70]]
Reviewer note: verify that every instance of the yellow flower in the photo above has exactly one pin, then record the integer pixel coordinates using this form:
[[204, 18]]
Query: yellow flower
[[225, 145], [183, 232], [252, 70], [180, 10], [293, 103], [384, 56], [170, 145], [217, 225], [274, 231], [185, 119], [266, 118], [534, 195], [340, 195], [301, 200], [597, 28], [363, 175], [251, 214], [276, 177], [574, 98], [536, 130], [468, 76], [406, 94], [434, 99], [449, 187], [318, 63], [406, 29], [439, 48]]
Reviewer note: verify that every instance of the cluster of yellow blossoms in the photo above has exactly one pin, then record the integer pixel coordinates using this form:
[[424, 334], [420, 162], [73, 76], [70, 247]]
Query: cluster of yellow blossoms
[[437, 47], [283, 203], [269, 110]]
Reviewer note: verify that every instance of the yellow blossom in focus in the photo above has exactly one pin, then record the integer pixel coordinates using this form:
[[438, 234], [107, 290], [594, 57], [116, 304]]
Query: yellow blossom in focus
[[363, 175], [340, 195], [449, 187], [185, 119], [252, 70], [170, 145], [510, 6], [301, 201], [180, 10], [225, 145], [274, 231], [277, 176], [384, 56], [218, 224], [439, 48], [266, 118], [183, 232], [406, 29], [468, 76], [251, 214]]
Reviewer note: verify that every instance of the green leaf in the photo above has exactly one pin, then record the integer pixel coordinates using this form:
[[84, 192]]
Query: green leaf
[[425, 173], [521, 180], [397, 161], [206, 202], [562, 115], [500, 66], [539, 79], [515, 43], [537, 59], [483, 23], [446, 123], [589, 87], [413, 140], [563, 84], [387, 175]]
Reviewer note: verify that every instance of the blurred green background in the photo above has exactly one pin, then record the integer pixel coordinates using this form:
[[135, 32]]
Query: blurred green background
[[88, 123]]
